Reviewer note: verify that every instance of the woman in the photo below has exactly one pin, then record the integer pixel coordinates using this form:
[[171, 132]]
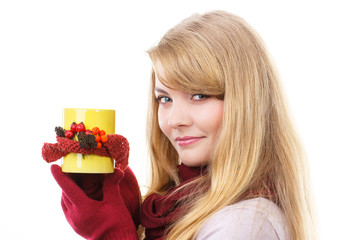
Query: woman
[[257, 153], [218, 111]]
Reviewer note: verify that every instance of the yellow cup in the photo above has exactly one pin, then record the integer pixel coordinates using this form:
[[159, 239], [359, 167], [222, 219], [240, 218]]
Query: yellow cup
[[81, 163]]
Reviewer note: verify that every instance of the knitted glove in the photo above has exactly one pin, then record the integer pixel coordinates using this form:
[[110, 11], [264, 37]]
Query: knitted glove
[[92, 186], [92, 219]]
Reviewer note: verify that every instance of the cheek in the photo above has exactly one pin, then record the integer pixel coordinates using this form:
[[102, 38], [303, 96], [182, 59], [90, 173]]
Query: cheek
[[218, 116], [162, 121], [210, 118]]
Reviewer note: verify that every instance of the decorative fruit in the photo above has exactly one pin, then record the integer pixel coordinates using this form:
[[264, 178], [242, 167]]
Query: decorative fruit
[[87, 138], [69, 134], [73, 127], [95, 130], [81, 136], [88, 141], [104, 138], [60, 132], [83, 144], [80, 127]]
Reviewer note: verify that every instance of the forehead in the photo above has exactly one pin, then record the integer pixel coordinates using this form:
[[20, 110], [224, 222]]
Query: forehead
[[159, 77], [158, 70], [185, 79], [159, 86]]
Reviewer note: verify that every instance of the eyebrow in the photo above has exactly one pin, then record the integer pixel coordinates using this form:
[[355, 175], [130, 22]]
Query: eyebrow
[[160, 90]]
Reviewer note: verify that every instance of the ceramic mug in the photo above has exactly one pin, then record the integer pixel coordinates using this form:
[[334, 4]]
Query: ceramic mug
[[81, 163]]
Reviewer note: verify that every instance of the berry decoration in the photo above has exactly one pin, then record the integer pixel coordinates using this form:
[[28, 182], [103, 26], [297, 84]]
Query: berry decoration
[[87, 138], [83, 144], [80, 127], [81, 136], [90, 139], [73, 127], [104, 138], [60, 132], [69, 134], [95, 130]]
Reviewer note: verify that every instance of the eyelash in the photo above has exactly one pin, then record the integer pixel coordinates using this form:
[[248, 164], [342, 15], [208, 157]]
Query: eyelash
[[159, 98], [202, 98]]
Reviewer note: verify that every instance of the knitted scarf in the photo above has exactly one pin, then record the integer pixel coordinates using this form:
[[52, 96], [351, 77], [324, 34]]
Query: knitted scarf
[[117, 147], [159, 211]]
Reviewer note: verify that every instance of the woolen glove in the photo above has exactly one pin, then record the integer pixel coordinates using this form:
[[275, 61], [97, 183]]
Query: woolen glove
[[92, 219], [92, 186], [131, 195]]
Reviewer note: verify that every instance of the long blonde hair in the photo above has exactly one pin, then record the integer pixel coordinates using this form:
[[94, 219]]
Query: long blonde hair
[[219, 54]]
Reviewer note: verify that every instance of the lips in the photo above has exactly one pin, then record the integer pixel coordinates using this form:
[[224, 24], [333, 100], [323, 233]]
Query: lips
[[184, 141]]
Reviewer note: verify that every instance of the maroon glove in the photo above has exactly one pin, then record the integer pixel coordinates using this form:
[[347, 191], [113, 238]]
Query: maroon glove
[[92, 185], [92, 219]]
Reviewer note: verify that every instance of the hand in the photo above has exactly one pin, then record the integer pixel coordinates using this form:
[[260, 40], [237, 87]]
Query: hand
[[92, 186], [130, 193], [94, 219]]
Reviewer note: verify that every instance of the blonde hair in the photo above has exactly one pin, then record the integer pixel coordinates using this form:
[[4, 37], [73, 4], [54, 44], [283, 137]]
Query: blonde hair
[[258, 151]]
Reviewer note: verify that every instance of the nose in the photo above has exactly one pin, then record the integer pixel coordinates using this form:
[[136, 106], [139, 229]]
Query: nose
[[179, 116]]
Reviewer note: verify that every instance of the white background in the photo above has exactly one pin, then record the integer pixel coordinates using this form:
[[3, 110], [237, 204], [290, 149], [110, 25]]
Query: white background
[[57, 54]]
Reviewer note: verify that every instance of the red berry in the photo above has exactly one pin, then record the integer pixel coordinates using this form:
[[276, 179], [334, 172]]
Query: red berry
[[104, 138], [73, 127], [88, 131], [69, 134], [80, 127], [96, 130]]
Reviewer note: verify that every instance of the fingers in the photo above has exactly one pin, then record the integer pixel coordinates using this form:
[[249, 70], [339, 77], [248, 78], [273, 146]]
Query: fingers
[[65, 203], [111, 183], [69, 187]]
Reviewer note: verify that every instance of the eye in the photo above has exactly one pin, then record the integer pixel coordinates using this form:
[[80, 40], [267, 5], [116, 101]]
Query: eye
[[163, 99], [198, 97]]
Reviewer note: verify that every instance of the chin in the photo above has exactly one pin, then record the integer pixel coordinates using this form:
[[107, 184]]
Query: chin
[[193, 163]]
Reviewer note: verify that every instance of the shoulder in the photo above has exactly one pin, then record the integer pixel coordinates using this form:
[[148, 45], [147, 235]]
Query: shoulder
[[256, 218]]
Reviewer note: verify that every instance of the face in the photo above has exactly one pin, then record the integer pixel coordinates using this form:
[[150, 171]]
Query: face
[[191, 122]]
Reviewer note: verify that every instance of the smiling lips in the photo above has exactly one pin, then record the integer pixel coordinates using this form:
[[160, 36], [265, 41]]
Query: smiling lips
[[184, 141]]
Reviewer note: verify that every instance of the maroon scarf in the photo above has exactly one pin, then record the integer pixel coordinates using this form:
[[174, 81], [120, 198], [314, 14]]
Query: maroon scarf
[[159, 211], [117, 147]]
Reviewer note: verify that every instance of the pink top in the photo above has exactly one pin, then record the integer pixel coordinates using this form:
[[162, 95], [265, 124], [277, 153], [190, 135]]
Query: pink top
[[256, 218]]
